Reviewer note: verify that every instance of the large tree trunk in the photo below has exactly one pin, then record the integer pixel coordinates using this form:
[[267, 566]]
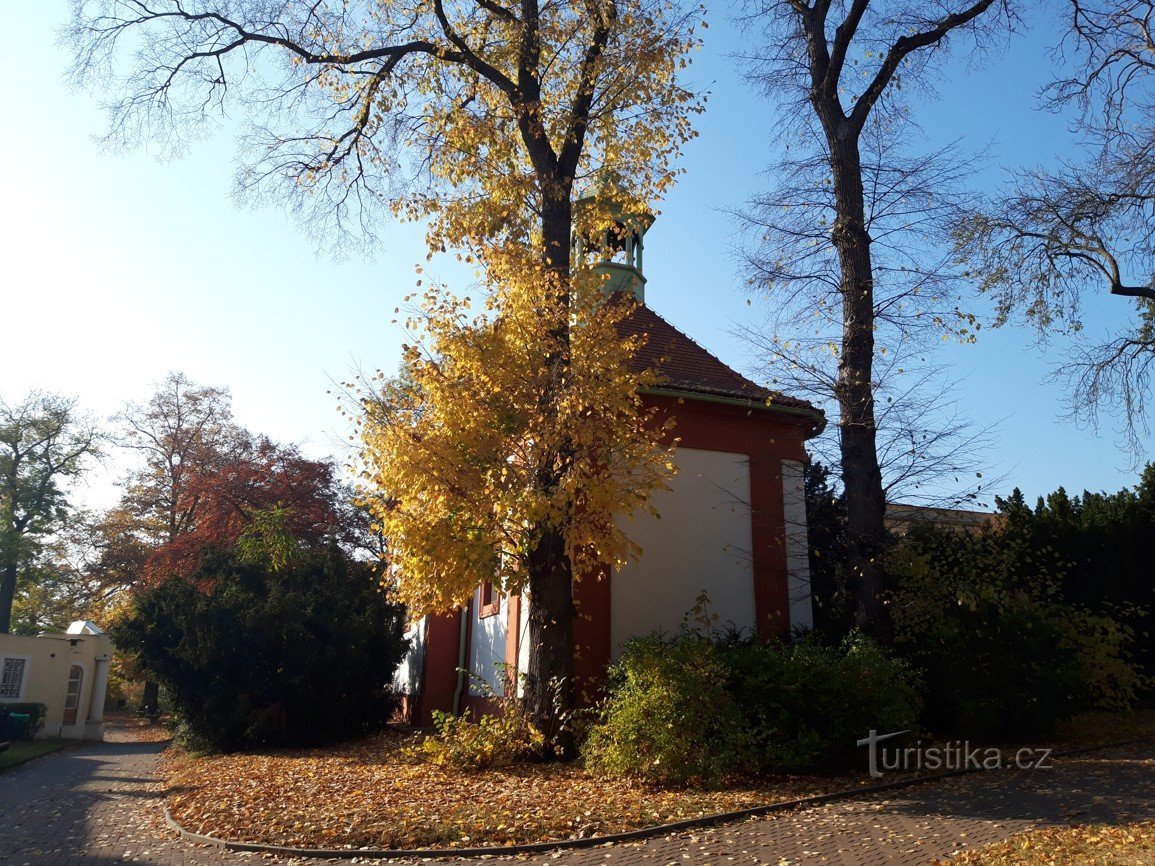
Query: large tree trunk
[[549, 689], [861, 476], [549, 684], [150, 698], [7, 596]]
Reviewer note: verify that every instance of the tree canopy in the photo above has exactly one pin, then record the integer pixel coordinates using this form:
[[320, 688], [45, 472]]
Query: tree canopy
[[471, 114], [45, 441], [458, 448], [1089, 223]]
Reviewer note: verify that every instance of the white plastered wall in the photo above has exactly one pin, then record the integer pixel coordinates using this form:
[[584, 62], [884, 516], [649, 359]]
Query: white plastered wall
[[407, 677], [702, 541], [522, 643], [797, 545], [487, 648]]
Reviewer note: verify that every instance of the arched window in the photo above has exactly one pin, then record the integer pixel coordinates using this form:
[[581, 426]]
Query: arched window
[[72, 700]]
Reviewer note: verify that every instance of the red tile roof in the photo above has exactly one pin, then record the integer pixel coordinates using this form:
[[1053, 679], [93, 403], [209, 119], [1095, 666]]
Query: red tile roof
[[685, 366]]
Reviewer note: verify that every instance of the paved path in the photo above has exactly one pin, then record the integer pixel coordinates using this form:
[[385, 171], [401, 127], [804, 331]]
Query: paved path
[[101, 804]]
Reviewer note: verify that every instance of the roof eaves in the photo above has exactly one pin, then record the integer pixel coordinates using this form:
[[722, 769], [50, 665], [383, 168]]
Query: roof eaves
[[816, 416]]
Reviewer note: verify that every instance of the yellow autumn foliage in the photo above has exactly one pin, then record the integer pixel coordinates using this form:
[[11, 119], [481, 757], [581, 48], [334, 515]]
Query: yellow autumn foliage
[[471, 462], [522, 418], [498, 108]]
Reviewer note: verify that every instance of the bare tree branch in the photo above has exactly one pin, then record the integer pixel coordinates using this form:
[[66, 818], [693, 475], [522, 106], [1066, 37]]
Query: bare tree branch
[[1089, 225], [845, 208]]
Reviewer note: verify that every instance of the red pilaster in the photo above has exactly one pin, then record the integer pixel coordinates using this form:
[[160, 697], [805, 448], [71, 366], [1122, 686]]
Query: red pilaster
[[591, 633], [767, 531], [439, 670]]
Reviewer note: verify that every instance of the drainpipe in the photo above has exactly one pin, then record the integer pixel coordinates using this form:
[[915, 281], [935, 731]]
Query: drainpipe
[[461, 659]]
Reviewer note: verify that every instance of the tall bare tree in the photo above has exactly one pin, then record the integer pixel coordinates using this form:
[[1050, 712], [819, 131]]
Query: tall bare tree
[[45, 442], [182, 427], [839, 71], [1091, 223]]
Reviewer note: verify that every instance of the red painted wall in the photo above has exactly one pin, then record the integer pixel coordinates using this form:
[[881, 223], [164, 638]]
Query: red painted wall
[[439, 672]]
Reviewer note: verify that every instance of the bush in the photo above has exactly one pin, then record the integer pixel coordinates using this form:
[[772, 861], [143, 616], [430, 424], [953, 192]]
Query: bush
[[805, 706], [669, 719], [493, 741], [690, 710], [1004, 657], [35, 713], [253, 655]]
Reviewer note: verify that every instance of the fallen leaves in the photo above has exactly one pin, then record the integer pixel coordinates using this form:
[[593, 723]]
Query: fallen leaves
[[1085, 845], [127, 727], [373, 793], [370, 794]]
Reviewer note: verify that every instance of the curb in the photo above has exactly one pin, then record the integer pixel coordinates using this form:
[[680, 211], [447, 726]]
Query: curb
[[609, 838]]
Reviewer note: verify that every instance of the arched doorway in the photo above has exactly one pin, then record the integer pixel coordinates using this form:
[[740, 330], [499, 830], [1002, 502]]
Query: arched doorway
[[72, 700]]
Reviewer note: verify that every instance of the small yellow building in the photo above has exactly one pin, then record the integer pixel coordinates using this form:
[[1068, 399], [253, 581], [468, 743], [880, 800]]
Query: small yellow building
[[68, 673]]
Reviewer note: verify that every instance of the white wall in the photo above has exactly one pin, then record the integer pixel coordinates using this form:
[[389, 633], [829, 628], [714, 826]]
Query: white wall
[[701, 542], [523, 643], [407, 677], [487, 648], [797, 545]]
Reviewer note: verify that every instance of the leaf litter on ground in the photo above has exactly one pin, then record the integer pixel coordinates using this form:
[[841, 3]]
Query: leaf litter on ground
[[374, 793]]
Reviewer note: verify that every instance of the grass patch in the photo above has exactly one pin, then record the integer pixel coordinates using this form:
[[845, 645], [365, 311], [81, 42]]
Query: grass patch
[[26, 750], [1085, 845]]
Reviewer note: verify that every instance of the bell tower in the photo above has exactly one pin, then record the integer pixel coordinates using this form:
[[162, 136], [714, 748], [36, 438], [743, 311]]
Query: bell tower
[[616, 247]]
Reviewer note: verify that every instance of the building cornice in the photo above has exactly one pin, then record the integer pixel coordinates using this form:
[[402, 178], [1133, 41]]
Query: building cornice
[[816, 417]]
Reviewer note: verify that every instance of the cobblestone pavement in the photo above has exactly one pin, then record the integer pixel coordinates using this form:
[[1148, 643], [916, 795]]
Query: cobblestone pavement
[[101, 804]]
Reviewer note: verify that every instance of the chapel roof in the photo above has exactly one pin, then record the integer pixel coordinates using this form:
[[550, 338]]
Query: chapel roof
[[683, 365]]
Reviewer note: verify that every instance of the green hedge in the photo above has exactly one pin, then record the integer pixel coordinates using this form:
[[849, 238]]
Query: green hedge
[[690, 711], [10, 731], [1004, 655], [805, 705]]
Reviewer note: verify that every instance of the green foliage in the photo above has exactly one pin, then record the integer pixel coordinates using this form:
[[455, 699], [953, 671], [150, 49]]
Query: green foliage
[[493, 741], [826, 532], [1004, 654], [9, 729], [1106, 544], [45, 441], [508, 735], [258, 652], [268, 540], [49, 595], [805, 705], [693, 711], [670, 718]]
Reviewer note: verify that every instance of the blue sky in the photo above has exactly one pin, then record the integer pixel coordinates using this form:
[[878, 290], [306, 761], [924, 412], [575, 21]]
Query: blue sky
[[119, 268]]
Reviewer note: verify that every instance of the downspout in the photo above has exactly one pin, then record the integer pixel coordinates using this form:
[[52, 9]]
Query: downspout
[[461, 660]]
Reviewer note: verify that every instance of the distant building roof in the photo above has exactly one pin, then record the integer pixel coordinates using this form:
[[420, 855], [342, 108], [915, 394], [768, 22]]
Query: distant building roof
[[84, 626], [900, 518], [685, 366]]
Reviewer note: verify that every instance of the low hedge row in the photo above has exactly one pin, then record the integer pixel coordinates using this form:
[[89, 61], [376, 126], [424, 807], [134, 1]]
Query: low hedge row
[[688, 710], [12, 729]]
